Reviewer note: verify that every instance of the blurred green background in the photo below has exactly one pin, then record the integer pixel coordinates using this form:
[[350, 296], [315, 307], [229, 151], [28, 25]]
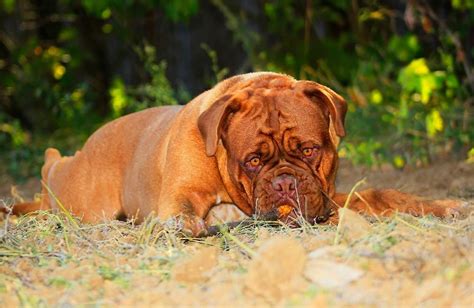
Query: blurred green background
[[405, 67]]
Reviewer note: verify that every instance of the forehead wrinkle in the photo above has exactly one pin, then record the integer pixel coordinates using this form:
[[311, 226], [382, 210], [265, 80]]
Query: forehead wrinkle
[[271, 125], [273, 115], [255, 113], [286, 107], [277, 123]]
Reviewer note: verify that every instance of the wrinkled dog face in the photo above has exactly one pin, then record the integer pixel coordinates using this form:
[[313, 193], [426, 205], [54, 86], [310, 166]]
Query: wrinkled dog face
[[280, 151]]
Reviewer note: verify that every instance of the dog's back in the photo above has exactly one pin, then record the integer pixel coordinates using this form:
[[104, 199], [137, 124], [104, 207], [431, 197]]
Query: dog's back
[[88, 184]]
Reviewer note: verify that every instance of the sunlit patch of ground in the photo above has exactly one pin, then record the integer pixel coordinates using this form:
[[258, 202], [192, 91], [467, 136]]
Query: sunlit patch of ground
[[402, 261]]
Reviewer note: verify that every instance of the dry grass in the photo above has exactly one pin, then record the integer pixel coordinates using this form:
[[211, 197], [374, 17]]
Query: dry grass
[[49, 260]]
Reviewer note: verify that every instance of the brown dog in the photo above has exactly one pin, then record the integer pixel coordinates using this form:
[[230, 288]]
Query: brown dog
[[263, 141]]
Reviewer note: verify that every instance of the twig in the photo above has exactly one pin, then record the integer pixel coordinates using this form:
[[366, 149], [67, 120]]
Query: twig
[[337, 238], [61, 206], [368, 205], [397, 218], [239, 243], [9, 213]]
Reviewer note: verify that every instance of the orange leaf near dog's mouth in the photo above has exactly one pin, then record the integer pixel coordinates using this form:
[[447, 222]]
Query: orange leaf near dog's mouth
[[284, 210]]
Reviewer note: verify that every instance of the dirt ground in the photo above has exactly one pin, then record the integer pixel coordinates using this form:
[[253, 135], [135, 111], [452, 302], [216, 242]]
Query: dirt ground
[[53, 260]]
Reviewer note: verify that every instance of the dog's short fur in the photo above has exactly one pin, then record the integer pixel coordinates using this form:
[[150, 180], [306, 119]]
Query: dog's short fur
[[262, 141]]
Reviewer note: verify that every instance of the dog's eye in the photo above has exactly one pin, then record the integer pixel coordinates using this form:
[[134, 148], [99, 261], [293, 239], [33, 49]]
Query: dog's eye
[[254, 162], [308, 152]]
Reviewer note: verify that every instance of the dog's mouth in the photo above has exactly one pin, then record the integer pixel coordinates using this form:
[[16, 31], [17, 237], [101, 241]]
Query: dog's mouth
[[294, 212], [286, 202], [290, 195]]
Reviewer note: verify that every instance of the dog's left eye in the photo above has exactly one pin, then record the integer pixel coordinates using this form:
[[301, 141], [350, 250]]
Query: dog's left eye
[[253, 164], [308, 152]]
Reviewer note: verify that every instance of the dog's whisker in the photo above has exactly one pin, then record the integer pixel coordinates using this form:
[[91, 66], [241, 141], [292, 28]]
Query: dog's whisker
[[298, 203], [305, 207], [257, 209]]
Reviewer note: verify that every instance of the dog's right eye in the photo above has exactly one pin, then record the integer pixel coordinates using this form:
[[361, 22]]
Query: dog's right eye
[[255, 162]]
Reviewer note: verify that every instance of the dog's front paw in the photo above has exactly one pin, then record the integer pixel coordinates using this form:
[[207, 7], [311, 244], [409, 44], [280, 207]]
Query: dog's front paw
[[192, 225]]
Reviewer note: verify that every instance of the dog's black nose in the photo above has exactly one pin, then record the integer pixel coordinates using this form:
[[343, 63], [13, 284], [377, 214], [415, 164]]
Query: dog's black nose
[[284, 184]]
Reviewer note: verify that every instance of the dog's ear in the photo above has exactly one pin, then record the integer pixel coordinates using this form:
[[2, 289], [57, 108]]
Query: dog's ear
[[211, 121], [330, 101]]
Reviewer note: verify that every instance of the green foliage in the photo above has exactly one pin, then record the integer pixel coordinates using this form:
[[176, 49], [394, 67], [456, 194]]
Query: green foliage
[[24, 152], [462, 4], [470, 155], [179, 10], [219, 73], [404, 48], [416, 116], [12, 133], [118, 97], [405, 71], [156, 92], [8, 5], [175, 10], [416, 78], [44, 82]]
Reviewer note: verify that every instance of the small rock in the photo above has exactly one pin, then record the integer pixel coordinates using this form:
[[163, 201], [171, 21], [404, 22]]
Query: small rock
[[197, 267], [325, 251], [351, 225], [277, 269], [330, 274]]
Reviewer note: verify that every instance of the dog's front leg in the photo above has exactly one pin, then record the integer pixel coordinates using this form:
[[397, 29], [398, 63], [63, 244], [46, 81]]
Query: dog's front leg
[[192, 225], [388, 201], [188, 212]]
